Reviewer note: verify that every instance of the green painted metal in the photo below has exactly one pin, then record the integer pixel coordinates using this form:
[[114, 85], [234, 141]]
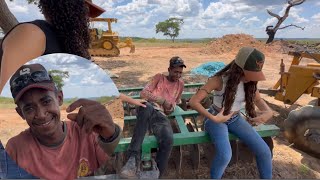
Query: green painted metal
[[137, 89], [184, 95], [186, 138], [172, 115]]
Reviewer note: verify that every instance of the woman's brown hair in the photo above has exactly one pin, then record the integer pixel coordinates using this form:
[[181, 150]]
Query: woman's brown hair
[[234, 74]]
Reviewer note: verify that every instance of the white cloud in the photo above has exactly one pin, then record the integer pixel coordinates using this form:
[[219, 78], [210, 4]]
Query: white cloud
[[295, 14], [270, 22], [250, 21], [203, 18], [219, 11], [17, 8], [316, 17], [24, 11]]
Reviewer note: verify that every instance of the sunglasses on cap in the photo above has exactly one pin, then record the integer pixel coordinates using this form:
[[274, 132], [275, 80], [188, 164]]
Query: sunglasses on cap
[[177, 61], [24, 80]]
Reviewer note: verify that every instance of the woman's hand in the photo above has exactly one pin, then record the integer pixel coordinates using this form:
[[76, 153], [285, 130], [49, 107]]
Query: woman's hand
[[262, 117], [220, 118]]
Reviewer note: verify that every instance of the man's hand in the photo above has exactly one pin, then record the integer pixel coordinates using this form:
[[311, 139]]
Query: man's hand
[[167, 105], [92, 116], [139, 102]]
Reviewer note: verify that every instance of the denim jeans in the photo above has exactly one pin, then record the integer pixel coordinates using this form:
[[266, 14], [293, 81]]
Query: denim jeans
[[238, 126], [158, 123], [9, 169]]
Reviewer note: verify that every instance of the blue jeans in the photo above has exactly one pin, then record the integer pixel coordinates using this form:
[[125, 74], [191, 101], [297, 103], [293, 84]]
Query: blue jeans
[[9, 169], [219, 134]]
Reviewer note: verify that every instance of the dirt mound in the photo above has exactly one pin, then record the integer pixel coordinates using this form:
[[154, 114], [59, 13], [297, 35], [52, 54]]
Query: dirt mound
[[233, 42]]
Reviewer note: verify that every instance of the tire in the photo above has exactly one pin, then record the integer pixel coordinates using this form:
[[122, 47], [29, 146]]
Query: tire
[[302, 127]]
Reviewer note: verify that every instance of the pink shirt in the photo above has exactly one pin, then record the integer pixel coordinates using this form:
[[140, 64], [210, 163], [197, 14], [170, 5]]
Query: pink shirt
[[79, 155], [161, 87]]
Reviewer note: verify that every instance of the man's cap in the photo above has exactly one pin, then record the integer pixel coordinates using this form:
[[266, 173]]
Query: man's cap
[[177, 62], [94, 10], [28, 77], [251, 61]]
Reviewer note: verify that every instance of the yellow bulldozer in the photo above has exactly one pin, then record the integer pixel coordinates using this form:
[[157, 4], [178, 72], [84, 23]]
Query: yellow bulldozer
[[302, 126], [107, 43]]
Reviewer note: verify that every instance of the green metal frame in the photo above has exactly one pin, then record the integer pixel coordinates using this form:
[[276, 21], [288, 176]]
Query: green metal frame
[[185, 137], [138, 89]]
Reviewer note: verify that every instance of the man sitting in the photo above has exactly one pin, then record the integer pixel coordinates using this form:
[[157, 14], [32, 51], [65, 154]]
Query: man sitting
[[162, 94], [55, 149]]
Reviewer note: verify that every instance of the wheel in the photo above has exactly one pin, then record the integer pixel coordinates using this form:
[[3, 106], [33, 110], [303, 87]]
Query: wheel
[[302, 127], [107, 45]]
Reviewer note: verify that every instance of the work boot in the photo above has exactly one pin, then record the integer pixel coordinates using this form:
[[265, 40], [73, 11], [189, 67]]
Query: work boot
[[129, 170]]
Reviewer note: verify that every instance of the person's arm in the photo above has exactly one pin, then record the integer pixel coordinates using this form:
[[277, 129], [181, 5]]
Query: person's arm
[[137, 102], [94, 117], [24, 43], [265, 112], [195, 101], [178, 100], [146, 93]]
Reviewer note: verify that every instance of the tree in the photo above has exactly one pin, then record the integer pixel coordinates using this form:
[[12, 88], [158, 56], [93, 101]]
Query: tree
[[271, 31], [170, 27], [58, 77], [7, 19]]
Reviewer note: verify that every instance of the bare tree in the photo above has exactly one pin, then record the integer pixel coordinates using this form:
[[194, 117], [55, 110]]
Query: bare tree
[[271, 31], [7, 19]]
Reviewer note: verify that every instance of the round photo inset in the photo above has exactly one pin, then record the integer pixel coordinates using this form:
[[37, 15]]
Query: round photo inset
[[59, 88]]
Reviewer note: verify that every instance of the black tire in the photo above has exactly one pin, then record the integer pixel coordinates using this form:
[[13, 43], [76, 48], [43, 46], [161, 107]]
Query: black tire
[[302, 127]]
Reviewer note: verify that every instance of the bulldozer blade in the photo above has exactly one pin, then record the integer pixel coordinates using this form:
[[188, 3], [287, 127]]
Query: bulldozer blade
[[133, 49]]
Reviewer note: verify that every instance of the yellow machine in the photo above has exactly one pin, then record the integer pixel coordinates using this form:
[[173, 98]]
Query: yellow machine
[[107, 43], [302, 127]]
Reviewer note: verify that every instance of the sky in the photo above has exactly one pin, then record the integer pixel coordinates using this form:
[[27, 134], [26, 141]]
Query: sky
[[86, 79], [202, 18]]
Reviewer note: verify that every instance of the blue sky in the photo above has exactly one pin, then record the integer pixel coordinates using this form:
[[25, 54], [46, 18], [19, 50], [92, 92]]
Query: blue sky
[[203, 18], [86, 79]]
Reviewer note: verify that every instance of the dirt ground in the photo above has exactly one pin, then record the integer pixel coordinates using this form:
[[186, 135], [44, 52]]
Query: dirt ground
[[136, 69]]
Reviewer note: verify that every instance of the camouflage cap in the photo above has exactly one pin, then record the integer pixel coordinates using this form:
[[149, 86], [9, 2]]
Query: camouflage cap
[[251, 61]]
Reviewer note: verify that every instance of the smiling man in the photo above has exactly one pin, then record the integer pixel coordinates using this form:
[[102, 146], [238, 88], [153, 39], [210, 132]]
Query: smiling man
[[55, 149], [162, 94]]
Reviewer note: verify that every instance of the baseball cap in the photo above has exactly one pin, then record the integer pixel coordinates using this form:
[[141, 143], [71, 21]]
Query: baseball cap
[[94, 10], [28, 77], [177, 62], [251, 61]]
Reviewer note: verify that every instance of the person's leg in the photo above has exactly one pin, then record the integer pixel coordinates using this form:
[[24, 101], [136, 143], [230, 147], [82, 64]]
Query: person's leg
[[219, 135], [142, 124], [246, 133], [144, 115], [162, 130]]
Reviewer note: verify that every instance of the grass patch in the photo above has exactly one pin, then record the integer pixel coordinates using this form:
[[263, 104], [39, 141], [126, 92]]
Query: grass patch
[[179, 43], [8, 103]]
